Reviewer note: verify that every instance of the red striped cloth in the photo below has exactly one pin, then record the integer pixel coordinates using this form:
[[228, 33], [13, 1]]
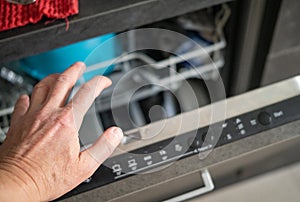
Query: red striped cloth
[[13, 15]]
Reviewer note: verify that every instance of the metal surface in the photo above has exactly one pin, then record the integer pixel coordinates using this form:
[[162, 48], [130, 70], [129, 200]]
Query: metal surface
[[283, 59], [250, 23], [208, 186], [235, 106], [95, 18]]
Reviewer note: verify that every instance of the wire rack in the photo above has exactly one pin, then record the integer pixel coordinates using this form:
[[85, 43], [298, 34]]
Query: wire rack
[[162, 74]]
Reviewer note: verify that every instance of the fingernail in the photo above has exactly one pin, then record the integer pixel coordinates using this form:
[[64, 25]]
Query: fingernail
[[82, 66], [116, 135], [80, 63], [103, 79], [23, 96]]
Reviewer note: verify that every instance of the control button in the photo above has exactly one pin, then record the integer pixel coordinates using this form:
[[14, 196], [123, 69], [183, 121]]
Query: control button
[[147, 158], [117, 169], [240, 126], [253, 122], [242, 132], [264, 118], [228, 137], [164, 158], [224, 125], [237, 121], [278, 114], [178, 147], [162, 152], [132, 164]]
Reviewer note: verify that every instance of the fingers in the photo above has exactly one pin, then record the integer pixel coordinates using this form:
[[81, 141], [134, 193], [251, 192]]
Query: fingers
[[86, 95], [64, 83], [41, 91], [21, 108], [91, 158]]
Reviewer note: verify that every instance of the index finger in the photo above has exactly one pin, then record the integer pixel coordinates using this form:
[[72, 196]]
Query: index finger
[[64, 84]]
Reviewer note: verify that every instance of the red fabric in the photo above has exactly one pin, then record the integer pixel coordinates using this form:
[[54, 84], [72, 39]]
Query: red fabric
[[13, 15]]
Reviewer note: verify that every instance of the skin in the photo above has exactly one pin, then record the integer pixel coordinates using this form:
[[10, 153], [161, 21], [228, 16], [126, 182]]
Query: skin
[[40, 159]]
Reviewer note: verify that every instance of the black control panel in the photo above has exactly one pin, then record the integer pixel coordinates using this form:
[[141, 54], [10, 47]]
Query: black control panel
[[192, 143]]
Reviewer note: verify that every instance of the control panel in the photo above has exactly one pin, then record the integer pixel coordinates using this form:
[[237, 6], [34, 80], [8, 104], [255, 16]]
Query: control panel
[[192, 143]]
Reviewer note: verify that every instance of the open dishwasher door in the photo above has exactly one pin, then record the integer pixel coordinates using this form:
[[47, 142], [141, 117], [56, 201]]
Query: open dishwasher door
[[260, 132]]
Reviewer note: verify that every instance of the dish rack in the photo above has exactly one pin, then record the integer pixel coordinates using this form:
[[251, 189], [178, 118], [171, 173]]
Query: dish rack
[[5, 117], [156, 75]]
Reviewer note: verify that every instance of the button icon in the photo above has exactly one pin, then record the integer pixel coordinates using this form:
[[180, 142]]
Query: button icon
[[237, 121], [149, 163], [278, 114], [178, 148], [147, 158], [117, 169], [132, 164], [253, 122], [228, 137], [164, 158], [162, 152], [240, 126]]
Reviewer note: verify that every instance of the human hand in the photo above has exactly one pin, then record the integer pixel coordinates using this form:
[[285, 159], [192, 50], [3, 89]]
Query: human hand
[[40, 159]]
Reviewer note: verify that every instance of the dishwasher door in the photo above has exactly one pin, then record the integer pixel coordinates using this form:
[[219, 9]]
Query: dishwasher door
[[260, 132]]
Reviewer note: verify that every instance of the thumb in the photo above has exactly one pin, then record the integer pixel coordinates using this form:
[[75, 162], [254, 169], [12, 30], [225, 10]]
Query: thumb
[[94, 156]]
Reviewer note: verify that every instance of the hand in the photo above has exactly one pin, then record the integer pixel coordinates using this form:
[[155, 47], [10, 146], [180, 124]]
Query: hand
[[40, 159]]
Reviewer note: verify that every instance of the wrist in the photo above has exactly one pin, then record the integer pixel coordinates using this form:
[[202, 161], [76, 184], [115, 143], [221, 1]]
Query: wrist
[[15, 185]]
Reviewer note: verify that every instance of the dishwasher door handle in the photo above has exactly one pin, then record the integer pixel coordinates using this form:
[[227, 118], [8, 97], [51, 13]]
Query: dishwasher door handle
[[208, 186]]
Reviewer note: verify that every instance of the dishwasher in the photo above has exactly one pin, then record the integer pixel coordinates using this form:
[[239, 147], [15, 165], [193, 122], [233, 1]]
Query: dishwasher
[[187, 91]]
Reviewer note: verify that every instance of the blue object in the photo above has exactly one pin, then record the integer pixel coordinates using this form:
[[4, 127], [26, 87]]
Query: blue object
[[195, 42], [57, 60]]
